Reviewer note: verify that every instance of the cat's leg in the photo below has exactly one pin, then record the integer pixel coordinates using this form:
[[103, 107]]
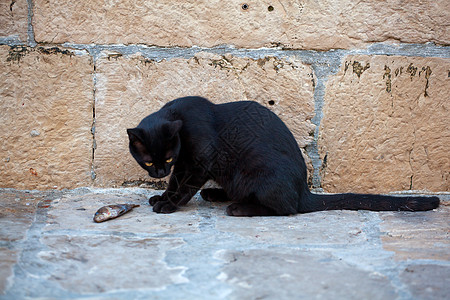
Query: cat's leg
[[248, 209], [187, 188], [174, 181], [249, 206], [274, 193], [267, 199], [214, 195]]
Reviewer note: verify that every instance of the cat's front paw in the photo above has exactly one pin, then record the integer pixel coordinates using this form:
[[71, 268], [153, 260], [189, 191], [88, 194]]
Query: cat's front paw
[[158, 198], [164, 207]]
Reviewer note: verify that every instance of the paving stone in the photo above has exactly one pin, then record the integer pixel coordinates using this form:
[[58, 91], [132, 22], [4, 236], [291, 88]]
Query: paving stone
[[309, 229], [385, 125], [328, 24], [46, 120], [17, 212], [299, 274], [130, 89], [418, 235], [8, 258], [427, 281], [104, 263], [75, 212], [199, 253]]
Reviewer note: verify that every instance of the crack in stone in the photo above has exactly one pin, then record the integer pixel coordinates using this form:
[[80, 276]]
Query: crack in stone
[[94, 142], [387, 76], [427, 71], [409, 159], [11, 5]]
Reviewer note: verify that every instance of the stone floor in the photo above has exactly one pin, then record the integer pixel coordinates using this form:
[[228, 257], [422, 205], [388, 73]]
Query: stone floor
[[50, 248]]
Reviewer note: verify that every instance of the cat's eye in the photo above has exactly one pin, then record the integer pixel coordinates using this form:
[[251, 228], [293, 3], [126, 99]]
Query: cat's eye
[[148, 164], [169, 160]]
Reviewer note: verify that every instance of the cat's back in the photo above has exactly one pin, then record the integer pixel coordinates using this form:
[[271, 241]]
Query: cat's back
[[256, 122], [252, 115], [249, 119], [188, 103]]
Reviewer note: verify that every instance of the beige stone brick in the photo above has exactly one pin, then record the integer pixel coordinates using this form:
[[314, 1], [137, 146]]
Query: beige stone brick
[[130, 89], [303, 24], [46, 117], [386, 125], [14, 19]]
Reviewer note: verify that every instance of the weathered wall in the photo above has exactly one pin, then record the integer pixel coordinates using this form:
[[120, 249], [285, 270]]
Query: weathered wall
[[364, 87], [46, 117], [309, 24], [133, 87], [384, 122]]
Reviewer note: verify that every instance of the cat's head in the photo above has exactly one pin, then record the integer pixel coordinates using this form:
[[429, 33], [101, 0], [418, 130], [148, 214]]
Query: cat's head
[[156, 149]]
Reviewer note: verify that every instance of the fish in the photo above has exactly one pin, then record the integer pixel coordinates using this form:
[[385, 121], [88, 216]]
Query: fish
[[109, 212]]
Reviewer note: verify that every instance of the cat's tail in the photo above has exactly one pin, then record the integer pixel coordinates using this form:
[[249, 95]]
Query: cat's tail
[[318, 202]]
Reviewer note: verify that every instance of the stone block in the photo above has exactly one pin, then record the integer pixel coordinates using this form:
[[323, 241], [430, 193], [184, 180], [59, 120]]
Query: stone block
[[328, 24], [17, 212], [14, 20], [427, 281], [103, 257], [55, 251], [45, 124], [385, 125], [130, 89], [8, 258], [417, 235], [257, 273], [302, 229], [141, 219]]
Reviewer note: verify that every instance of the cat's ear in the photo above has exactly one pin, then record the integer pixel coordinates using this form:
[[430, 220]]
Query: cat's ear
[[172, 128], [134, 135]]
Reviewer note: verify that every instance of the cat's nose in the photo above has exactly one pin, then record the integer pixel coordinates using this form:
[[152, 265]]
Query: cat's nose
[[161, 173]]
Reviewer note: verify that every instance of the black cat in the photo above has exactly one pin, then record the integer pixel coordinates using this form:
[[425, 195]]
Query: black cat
[[248, 151]]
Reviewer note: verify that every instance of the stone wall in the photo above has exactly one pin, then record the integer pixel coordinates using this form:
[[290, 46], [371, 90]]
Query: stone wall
[[364, 87]]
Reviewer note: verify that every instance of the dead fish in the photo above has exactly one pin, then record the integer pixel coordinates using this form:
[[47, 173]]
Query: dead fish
[[112, 211]]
